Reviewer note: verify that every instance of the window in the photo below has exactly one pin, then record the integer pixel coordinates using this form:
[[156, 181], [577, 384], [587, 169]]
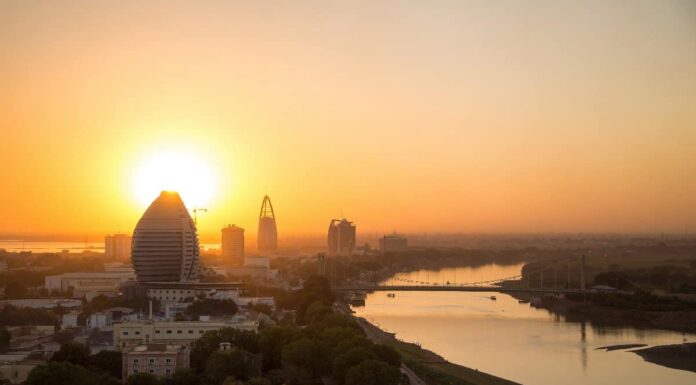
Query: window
[[190, 331], [152, 361], [152, 371], [169, 361], [135, 361], [135, 371], [125, 333], [200, 332], [169, 332], [137, 333], [168, 371], [157, 332], [179, 332]]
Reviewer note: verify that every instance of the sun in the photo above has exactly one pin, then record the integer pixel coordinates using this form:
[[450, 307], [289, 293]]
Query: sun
[[181, 171]]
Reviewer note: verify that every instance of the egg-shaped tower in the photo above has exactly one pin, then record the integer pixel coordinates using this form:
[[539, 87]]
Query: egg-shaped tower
[[165, 242]]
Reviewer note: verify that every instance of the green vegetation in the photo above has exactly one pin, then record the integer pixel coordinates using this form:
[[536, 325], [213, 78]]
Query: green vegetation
[[15, 316], [213, 307], [326, 345]]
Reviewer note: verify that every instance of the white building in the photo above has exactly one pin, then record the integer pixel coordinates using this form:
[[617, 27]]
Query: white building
[[160, 360], [128, 334], [69, 320], [117, 246], [82, 283]]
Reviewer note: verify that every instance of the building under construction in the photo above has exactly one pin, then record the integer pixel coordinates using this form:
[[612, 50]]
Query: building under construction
[[341, 237]]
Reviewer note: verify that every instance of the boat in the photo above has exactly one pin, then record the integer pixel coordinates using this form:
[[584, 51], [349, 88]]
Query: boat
[[493, 298], [523, 301], [391, 295]]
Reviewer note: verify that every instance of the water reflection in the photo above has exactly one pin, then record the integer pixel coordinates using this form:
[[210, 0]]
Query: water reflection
[[514, 340]]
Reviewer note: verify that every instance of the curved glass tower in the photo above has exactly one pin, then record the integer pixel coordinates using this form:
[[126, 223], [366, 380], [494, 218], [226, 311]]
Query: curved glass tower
[[165, 242]]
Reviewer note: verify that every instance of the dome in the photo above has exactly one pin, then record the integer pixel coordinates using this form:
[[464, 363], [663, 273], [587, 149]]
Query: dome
[[165, 242]]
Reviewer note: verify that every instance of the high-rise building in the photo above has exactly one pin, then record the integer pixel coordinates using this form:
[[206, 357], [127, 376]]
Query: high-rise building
[[393, 243], [165, 242], [233, 245], [267, 238], [117, 246], [341, 239]]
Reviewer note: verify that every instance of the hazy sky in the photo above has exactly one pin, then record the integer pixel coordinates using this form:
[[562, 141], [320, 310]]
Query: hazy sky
[[473, 116]]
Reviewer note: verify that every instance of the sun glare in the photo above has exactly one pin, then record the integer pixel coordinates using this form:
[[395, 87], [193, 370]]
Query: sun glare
[[178, 171]]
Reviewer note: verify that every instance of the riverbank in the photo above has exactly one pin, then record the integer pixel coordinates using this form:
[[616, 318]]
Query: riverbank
[[604, 316], [427, 365], [680, 356]]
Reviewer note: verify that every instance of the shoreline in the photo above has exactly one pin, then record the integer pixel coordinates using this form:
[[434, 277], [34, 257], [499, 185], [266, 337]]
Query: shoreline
[[426, 364], [678, 356]]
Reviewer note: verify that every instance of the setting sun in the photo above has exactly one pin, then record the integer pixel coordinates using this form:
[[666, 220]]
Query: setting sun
[[179, 171]]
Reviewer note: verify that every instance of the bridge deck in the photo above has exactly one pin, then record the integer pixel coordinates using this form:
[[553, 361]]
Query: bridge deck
[[455, 288]]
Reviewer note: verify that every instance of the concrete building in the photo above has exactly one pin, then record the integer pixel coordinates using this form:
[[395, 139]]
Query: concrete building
[[43, 303], [132, 333], [341, 237], [69, 320], [232, 244], [167, 292], [165, 242], [16, 367], [82, 283], [254, 267], [267, 236], [119, 267], [160, 360], [393, 244], [117, 246]]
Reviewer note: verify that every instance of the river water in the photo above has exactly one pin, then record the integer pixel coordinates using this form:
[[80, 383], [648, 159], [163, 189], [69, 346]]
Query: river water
[[512, 340]]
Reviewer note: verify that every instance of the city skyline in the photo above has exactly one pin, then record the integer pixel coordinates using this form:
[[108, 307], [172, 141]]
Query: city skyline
[[546, 117]]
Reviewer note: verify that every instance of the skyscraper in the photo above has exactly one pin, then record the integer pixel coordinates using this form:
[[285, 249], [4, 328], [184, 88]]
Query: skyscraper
[[341, 239], [165, 242], [117, 246], [233, 245], [267, 238]]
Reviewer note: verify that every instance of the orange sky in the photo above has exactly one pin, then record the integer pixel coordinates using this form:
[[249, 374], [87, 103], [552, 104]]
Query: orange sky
[[551, 116]]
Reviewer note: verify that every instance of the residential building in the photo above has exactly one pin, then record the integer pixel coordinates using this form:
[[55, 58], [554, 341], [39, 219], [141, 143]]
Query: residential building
[[117, 246], [393, 243], [232, 245], [158, 359], [131, 333], [341, 237]]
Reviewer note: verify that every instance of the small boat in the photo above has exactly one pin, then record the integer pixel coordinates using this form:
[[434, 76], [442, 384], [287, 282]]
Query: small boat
[[523, 301], [493, 298], [391, 295]]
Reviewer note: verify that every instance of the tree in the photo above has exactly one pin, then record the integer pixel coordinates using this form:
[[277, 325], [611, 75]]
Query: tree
[[143, 379], [316, 312], [309, 356], [15, 290], [210, 342], [235, 363], [182, 377], [73, 352], [4, 340], [349, 359], [64, 336], [65, 373], [373, 372], [108, 362], [271, 345]]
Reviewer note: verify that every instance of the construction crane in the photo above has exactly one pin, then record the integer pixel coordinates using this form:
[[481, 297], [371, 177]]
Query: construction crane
[[195, 214]]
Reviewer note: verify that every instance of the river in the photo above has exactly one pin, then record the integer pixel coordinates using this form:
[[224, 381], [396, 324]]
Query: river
[[512, 340]]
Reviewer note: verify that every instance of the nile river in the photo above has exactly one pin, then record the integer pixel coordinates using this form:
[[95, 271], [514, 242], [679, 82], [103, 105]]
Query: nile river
[[516, 341]]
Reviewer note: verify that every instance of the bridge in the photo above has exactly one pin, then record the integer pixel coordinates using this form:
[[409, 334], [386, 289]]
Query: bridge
[[500, 289]]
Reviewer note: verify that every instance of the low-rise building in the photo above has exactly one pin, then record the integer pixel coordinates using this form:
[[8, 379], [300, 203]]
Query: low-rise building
[[69, 320], [158, 359], [16, 367], [130, 333], [81, 283], [43, 303], [393, 244]]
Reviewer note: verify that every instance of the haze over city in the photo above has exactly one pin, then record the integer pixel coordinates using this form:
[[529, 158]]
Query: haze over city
[[445, 116]]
